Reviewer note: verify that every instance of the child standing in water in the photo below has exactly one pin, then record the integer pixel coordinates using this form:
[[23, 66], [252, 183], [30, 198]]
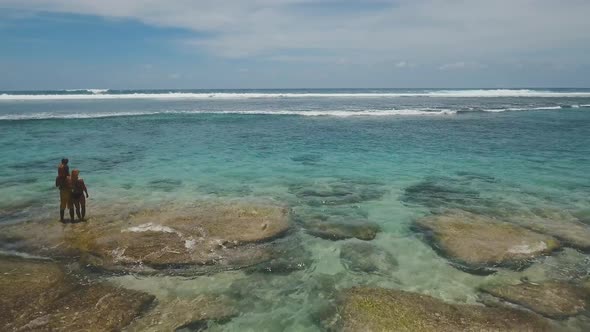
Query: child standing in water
[[78, 191]]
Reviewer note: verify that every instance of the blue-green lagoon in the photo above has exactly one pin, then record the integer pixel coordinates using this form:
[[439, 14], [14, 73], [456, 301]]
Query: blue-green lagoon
[[354, 171]]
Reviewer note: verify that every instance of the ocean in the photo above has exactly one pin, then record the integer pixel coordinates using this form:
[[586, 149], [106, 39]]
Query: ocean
[[407, 153]]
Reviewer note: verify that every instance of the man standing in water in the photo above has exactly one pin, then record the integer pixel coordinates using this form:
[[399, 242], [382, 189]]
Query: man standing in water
[[64, 183], [78, 190]]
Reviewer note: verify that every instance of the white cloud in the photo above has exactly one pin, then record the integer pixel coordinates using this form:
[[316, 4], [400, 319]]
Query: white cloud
[[432, 31], [323, 59]]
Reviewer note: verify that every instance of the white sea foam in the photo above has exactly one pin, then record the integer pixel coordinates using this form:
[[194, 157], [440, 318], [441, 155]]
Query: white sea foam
[[93, 91], [309, 113], [101, 94], [337, 113], [546, 108], [495, 110], [190, 244], [330, 113], [49, 115], [21, 254], [528, 249], [322, 113], [150, 227]]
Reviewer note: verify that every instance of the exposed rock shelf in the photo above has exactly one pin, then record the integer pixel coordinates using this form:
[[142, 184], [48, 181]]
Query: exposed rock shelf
[[39, 296], [216, 235]]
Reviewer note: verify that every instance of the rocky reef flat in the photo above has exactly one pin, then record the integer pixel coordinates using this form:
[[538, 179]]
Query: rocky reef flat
[[563, 226], [38, 295], [367, 258], [215, 263], [185, 315], [377, 309], [480, 244], [208, 235], [554, 299]]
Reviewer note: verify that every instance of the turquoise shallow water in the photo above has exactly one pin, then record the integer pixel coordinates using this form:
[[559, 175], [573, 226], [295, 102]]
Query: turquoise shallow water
[[529, 153]]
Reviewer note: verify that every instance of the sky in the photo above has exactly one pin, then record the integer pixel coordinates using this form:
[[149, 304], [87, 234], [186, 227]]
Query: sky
[[214, 44]]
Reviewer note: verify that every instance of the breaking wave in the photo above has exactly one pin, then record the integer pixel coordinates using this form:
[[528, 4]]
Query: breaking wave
[[92, 91], [334, 113], [543, 108], [90, 94], [307, 113]]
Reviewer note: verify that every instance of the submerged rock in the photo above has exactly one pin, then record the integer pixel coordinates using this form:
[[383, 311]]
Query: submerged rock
[[430, 193], [555, 299], [221, 190], [465, 191], [226, 236], [367, 258], [377, 309], [28, 286], [39, 296], [340, 229], [563, 226], [288, 256], [337, 192], [302, 214], [337, 223], [462, 191], [475, 176], [478, 244], [583, 215], [307, 159], [566, 265], [94, 308], [189, 315], [167, 185]]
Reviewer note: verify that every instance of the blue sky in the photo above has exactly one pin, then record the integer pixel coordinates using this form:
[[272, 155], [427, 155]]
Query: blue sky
[[63, 44]]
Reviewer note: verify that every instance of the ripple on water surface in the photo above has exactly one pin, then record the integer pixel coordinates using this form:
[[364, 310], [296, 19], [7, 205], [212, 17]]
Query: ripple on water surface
[[350, 188]]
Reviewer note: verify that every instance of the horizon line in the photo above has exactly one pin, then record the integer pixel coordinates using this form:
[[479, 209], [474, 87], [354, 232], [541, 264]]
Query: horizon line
[[297, 88]]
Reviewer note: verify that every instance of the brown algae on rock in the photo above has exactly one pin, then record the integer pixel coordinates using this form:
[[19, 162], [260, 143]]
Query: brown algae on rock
[[172, 315], [555, 299], [334, 192], [378, 309], [337, 223], [478, 243], [367, 258], [563, 226], [39, 296], [335, 230], [224, 234]]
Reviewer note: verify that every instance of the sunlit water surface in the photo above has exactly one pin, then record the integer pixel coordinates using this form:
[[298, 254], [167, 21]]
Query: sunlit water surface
[[172, 152]]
